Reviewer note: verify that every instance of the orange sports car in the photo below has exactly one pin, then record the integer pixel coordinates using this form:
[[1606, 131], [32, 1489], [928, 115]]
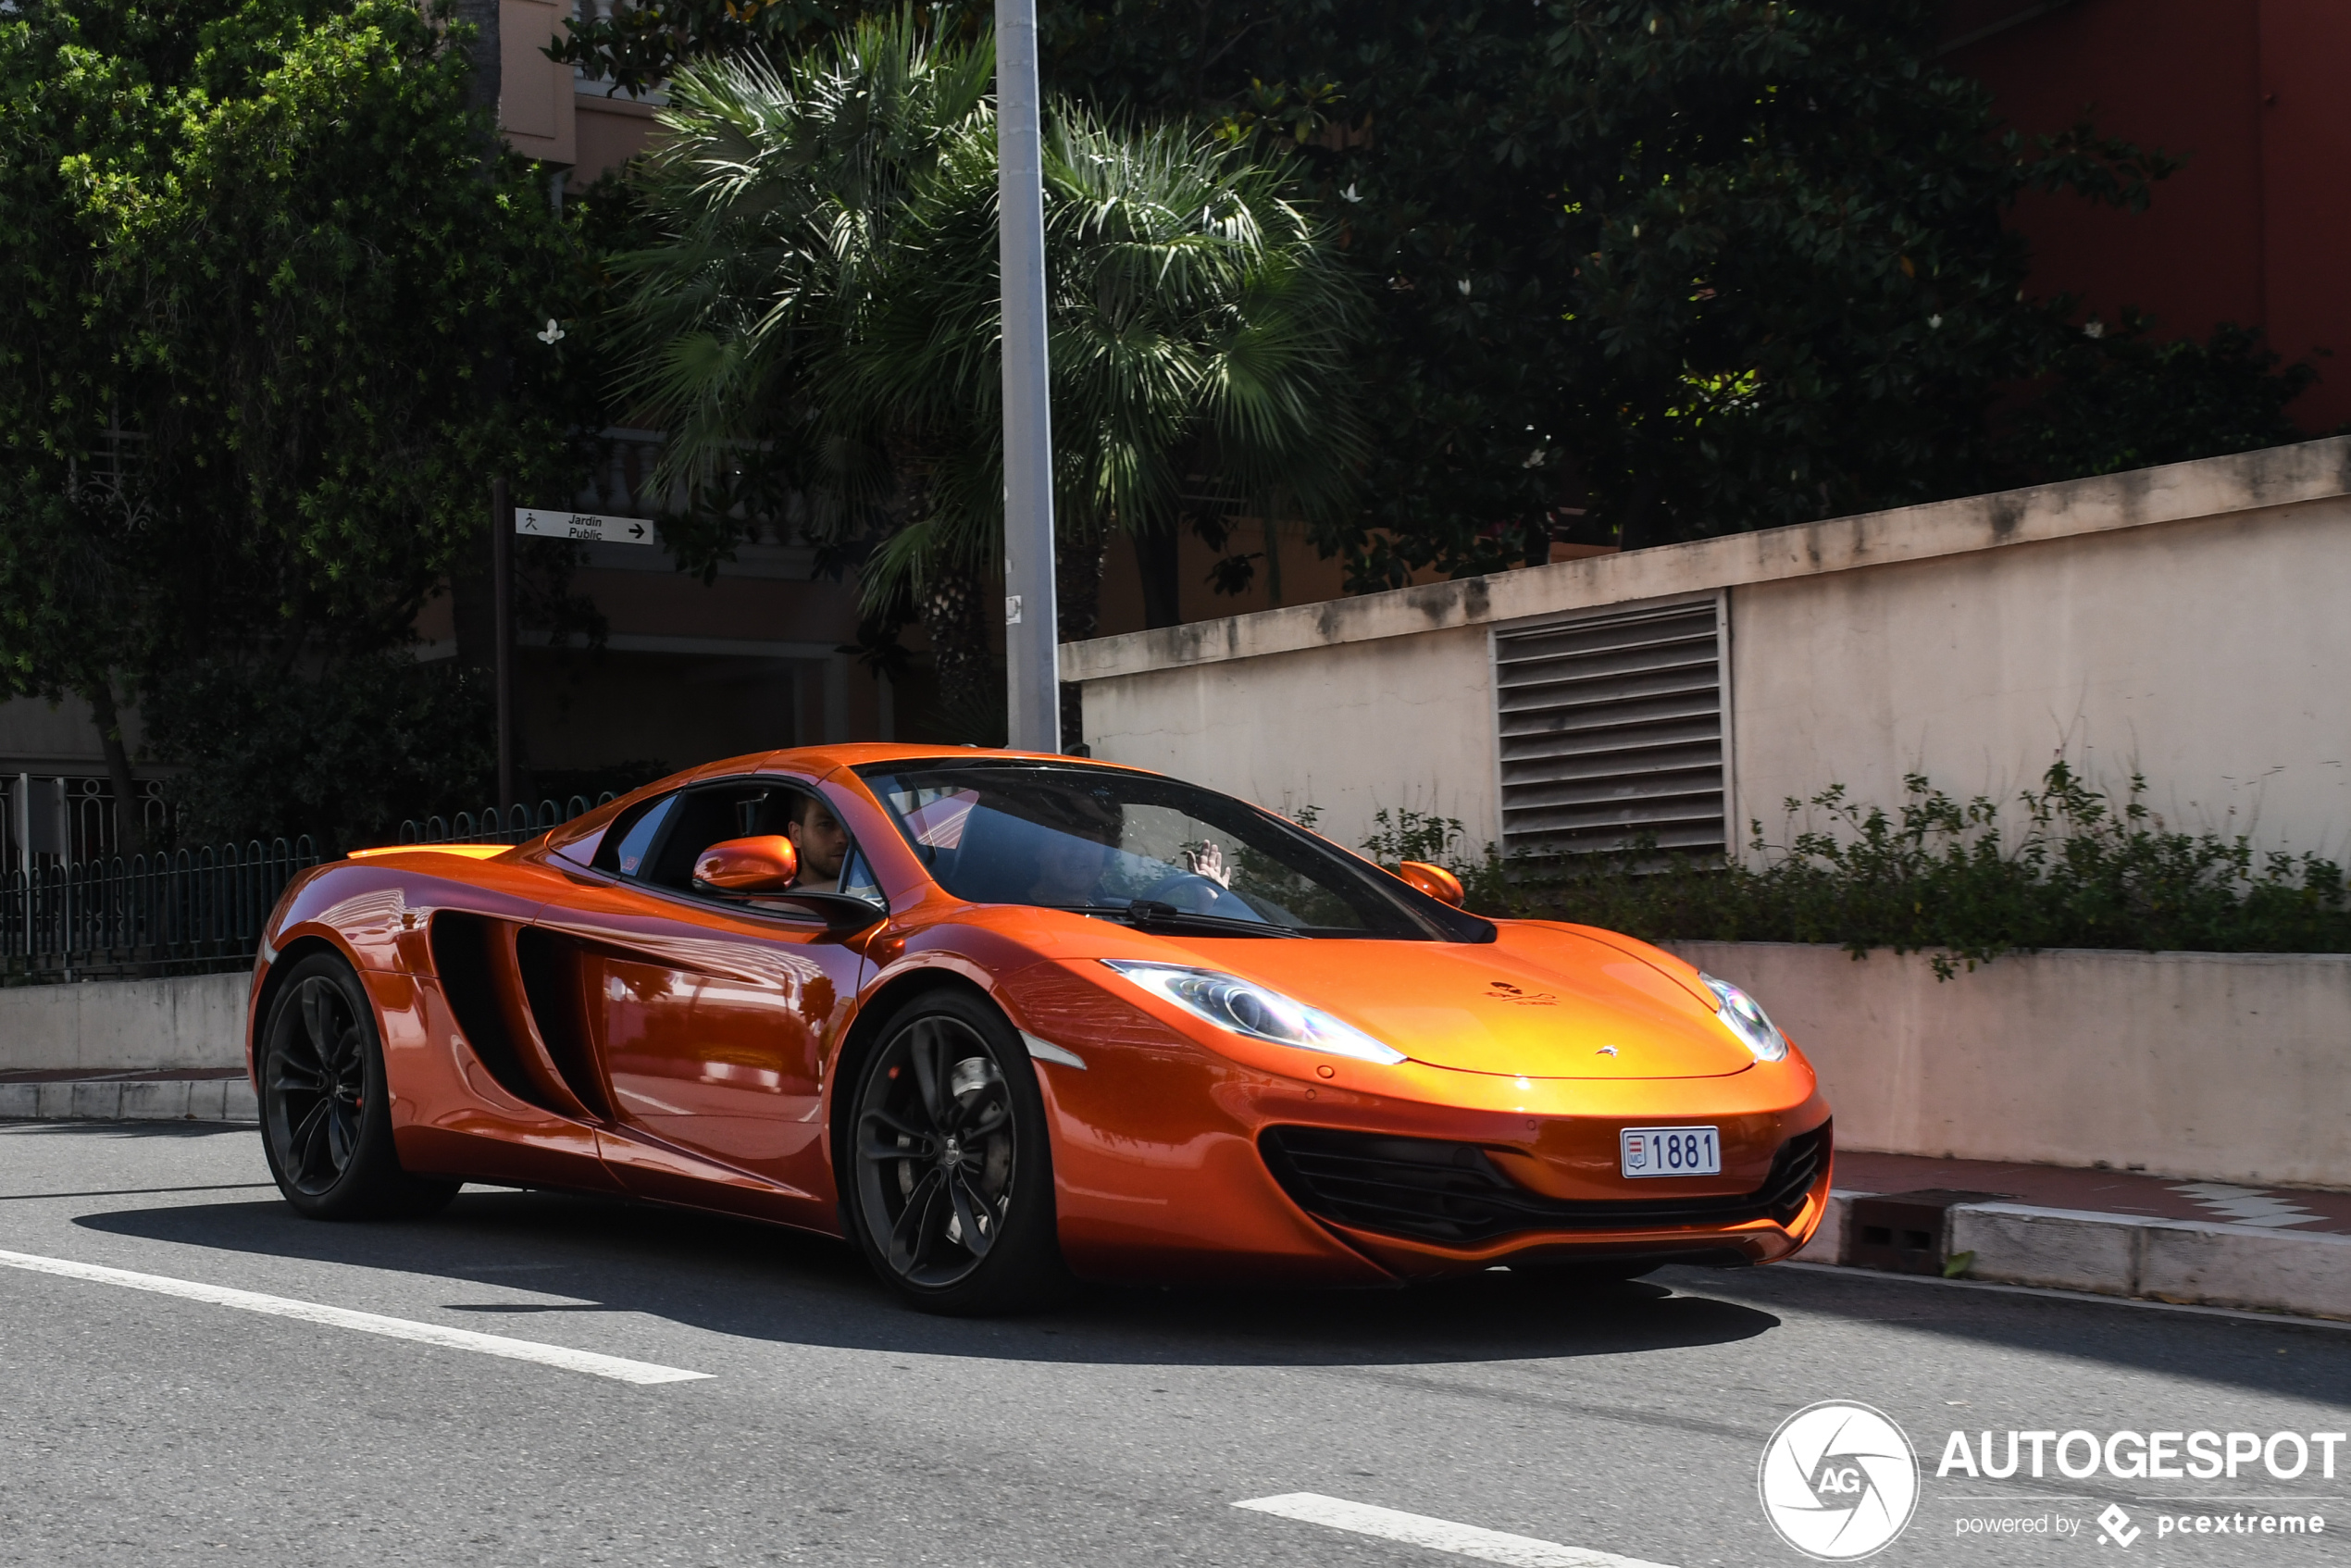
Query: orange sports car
[[1005, 1018]]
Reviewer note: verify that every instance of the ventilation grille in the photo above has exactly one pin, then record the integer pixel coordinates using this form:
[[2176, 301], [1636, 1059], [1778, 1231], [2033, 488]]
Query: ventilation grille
[[1452, 1192], [1611, 727]]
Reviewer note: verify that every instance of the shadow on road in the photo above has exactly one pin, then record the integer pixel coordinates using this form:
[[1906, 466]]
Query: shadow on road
[[2284, 1356], [740, 1279]]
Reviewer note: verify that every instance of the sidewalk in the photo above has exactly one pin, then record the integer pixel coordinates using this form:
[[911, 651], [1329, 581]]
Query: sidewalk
[[173, 1094], [2119, 1233]]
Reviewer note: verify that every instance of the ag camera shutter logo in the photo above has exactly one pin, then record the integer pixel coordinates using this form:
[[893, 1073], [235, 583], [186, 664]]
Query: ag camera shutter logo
[[1839, 1481]]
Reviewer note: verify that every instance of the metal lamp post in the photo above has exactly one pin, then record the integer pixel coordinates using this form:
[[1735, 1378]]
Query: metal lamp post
[[1031, 617]]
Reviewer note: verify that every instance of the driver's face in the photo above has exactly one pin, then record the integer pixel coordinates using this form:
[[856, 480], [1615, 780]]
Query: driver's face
[[820, 838], [1068, 867]]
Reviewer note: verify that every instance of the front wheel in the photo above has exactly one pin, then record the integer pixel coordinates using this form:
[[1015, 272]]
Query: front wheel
[[326, 1112], [950, 1189]]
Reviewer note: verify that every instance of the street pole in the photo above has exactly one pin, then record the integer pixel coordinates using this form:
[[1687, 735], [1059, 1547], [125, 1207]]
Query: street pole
[[502, 599], [1032, 652]]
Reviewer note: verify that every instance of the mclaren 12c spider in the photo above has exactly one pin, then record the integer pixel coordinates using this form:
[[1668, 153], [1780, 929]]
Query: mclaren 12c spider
[[1005, 1019]]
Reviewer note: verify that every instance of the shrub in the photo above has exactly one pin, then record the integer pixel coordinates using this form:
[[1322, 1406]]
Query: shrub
[[341, 754], [2070, 866]]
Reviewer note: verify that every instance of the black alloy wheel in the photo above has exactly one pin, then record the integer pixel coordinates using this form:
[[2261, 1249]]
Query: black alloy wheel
[[951, 1184], [325, 1118]]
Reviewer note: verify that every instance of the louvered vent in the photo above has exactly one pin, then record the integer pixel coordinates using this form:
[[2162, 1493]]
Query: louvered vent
[[1612, 728]]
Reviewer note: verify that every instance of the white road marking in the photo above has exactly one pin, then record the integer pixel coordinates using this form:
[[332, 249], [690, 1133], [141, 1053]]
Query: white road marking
[[1437, 1535], [617, 1368]]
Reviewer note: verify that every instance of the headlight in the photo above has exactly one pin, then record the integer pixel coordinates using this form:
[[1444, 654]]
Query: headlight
[[1231, 1002], [1743, 1019]]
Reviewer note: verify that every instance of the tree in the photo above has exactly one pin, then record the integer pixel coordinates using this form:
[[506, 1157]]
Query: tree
[[1664, 268], [244, 413], [825, 310], [2122, 400]]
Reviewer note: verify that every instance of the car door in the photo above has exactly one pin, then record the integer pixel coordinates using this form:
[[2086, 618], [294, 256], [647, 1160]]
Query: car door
[[711, 1019]]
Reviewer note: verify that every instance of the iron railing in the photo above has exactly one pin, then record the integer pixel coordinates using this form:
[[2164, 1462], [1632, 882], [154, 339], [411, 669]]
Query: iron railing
[[193, 911], [513, 826], [184, 913]]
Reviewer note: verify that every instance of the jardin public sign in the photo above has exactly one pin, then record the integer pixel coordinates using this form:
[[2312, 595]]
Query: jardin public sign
[[583, 525]]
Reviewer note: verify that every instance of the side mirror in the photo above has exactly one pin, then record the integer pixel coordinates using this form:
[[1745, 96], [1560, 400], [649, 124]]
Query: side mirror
[[1434, 881], [768, 864], [764, 867]]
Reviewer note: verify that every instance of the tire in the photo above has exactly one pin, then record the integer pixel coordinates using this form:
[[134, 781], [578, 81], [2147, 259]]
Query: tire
[[326, 1112], [946, 1141]]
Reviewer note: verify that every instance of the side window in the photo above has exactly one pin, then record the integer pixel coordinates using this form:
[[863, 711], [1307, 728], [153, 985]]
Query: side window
[[857, 880], [706, 816], [632, 837]]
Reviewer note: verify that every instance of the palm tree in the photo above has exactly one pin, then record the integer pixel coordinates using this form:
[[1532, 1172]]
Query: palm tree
[[827, 304]]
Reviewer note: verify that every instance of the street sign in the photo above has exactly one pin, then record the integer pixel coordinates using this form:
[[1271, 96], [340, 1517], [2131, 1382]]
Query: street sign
[[584, 525]]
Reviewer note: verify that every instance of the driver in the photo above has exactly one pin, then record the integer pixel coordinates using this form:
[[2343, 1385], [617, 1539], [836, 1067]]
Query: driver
[[1081, 833], [822, 843]]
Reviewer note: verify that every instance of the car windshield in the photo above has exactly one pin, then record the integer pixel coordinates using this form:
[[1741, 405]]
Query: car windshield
[[1149, 849]]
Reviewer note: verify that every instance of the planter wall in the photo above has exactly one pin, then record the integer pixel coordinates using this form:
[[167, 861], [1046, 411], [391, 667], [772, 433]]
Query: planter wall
[[2226, 1067], [187, 1021]]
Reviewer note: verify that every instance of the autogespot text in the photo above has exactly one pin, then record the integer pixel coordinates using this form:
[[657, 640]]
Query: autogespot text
[[2136, 1456]]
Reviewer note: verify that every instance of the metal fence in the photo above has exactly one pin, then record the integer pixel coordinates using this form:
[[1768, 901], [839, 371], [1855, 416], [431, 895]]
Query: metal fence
[[184, 913], [193, 911], [491, 826]]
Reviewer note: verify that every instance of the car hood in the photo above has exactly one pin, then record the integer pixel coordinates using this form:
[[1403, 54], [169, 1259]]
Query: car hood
[[1540, 1001]]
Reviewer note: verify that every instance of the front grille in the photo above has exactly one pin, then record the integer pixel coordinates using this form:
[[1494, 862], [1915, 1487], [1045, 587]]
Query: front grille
[[1437, 1191]]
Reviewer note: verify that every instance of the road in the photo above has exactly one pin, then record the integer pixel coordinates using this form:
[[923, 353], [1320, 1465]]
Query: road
[[832, 1428]]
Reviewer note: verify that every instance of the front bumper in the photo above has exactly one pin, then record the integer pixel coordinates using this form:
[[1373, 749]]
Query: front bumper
[[1161, 1171], [1415, 1203]]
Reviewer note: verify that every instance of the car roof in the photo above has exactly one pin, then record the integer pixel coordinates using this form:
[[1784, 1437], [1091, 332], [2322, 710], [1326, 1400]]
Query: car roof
[[816, 761]]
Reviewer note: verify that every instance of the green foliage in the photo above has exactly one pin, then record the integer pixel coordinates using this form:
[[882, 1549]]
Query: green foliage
[[817, 325], [640, 46], [2124, 401], [343, 756], [1966, 881], [1650, 268], [271, 326]]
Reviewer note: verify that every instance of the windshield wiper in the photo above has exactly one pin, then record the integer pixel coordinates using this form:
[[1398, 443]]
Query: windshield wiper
[[1148, 913], [1152, 911]]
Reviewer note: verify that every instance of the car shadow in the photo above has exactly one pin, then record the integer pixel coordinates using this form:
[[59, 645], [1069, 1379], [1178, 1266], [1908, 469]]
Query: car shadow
[[758, 1282]]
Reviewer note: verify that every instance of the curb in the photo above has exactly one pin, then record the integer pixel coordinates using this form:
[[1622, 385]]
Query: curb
[[2189, 1262], [114, 1099]]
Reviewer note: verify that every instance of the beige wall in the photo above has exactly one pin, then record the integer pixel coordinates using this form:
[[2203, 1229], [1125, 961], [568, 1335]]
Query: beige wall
[[186, 1021], [2184, 621], [2209, 655], [1405, 722], [2226, 1067]]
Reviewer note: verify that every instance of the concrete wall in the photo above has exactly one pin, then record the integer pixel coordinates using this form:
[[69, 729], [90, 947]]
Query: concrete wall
[[2185, 621], [1348, 729], [2227, 1066], [2207, 655], [189, 1021]]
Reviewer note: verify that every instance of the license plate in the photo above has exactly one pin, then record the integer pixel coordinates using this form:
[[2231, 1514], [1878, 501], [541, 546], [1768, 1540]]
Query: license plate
[[1670, 1151]]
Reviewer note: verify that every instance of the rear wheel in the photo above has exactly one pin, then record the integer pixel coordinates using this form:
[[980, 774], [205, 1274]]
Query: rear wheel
[[325, 1114], [950, 1189]]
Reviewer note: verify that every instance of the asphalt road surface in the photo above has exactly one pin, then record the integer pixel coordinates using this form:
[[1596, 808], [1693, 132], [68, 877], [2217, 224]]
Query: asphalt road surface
[[829, 1426]]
